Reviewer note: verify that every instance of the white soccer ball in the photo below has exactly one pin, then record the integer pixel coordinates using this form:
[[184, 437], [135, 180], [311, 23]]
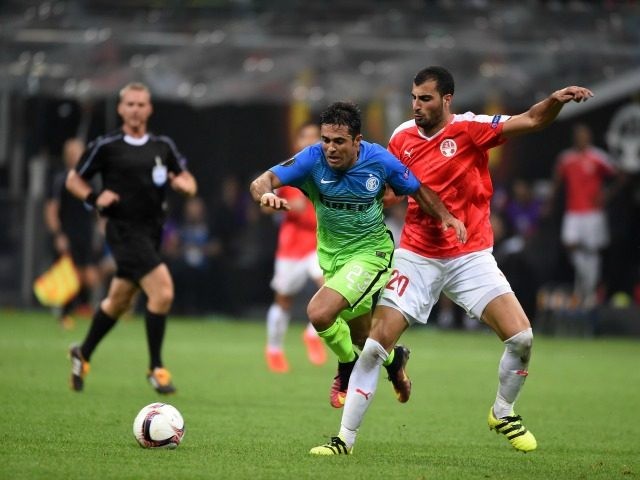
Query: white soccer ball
[[159, 425]]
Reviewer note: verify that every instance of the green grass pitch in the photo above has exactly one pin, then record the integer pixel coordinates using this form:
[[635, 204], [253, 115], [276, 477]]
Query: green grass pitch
[[581, 400]]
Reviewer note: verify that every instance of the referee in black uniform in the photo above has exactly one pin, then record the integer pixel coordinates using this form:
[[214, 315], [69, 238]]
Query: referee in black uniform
[[136, 167]]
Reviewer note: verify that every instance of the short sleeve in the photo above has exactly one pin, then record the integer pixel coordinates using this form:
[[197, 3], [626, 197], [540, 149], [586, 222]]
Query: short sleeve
[[176, 162], [91, 161], [295, 170], [399, 177], [486, 130]]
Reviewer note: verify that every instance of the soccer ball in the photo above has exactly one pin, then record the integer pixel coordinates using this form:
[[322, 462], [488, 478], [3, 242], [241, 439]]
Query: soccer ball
[[158, 425]]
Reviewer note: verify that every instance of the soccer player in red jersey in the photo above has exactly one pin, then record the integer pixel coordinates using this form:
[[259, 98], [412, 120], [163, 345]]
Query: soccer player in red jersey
[[582, 170], [296, 261], [448, 153]]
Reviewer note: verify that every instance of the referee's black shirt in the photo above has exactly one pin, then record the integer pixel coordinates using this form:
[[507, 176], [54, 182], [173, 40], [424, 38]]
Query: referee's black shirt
[[137, 170]]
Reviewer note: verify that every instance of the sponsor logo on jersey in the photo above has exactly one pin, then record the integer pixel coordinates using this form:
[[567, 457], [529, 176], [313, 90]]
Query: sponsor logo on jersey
[[495, 121], [407, 153], [372, 183], [322, 180], [288, 163], [405, 175], [448, 147]]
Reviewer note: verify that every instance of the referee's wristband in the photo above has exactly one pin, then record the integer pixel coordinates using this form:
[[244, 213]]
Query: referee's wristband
[[91, 199]]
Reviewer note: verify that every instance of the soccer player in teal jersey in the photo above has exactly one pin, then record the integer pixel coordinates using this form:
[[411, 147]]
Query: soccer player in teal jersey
[[345, 177]]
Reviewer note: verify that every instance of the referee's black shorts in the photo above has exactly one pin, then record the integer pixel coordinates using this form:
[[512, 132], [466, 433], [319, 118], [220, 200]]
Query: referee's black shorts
[[135, 248]]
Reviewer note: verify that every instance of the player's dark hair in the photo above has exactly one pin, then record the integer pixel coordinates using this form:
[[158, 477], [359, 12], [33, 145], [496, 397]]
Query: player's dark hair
[[442, 77], [343, 113]]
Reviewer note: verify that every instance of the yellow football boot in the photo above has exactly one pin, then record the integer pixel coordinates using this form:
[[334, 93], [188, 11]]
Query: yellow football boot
[[336, 446], [511, 426]]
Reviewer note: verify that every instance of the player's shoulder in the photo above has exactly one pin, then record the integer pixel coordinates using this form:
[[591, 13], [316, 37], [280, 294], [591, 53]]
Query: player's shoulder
[[600, 154], [403, 129], [374, 152], [566, 156], [105, 139], [471, 118], [162, 139], [313, 151]]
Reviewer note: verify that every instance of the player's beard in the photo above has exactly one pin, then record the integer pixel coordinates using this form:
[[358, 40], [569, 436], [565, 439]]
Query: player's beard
[[433, 122]]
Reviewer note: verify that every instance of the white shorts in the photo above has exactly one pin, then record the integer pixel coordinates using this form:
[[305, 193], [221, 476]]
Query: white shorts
[[471, 281], [588, 230], [291, 275]]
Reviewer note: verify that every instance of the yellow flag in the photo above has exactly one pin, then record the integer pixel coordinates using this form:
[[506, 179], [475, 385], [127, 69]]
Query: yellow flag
[[58, 285]]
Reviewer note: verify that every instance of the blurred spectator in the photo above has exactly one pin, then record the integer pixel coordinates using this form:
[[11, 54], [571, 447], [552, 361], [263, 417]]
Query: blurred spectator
[[523, 209], [509, 250], [582, 170], [230, 213], [74, 233], [251, 265], [193, 254]]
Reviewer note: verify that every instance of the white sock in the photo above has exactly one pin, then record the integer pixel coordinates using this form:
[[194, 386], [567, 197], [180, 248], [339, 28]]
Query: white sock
[[512, 371], [362, 386], [587, 271], [277, 323]]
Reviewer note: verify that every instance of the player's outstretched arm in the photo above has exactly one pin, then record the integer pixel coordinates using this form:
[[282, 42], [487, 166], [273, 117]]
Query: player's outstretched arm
[[431, 204], [545, 112], [262, 192]]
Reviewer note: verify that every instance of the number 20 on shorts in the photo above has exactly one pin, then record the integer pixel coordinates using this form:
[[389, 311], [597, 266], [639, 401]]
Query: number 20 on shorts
[[398, 282]]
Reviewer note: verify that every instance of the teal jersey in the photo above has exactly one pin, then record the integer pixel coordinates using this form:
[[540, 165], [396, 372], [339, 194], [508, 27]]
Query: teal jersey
[[348, 203]]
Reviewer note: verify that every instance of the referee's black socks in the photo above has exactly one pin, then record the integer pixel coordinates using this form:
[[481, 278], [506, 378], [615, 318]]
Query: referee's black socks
[[156, 324], [100, 326]]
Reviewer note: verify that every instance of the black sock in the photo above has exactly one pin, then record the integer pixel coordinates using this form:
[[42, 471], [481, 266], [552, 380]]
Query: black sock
[[100, 326], [156, 324]]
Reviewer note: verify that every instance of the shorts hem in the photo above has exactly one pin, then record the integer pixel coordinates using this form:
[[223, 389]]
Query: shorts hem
[[479, 307]]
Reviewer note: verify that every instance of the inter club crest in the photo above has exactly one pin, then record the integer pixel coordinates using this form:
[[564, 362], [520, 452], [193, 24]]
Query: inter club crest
[[372, 183], [448, 147]]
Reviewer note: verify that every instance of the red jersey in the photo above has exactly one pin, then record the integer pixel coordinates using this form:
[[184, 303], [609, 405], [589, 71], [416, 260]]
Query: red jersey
[[453, 163], [583, 173], [297, 236]]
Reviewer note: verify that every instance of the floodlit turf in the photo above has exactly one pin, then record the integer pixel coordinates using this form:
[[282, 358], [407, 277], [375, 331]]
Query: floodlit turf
[[581, 401]]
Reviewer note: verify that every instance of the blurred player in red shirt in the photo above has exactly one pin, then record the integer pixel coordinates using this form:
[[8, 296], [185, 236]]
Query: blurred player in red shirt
[[583, 170], [296, 261], [448, 153]]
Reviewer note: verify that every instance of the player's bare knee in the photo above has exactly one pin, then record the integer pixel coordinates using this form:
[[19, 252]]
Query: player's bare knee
[[161, 299], [114, 307], [320, 317]]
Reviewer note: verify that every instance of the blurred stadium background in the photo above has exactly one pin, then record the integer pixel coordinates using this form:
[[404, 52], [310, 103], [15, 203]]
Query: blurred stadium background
[[232, 79]]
